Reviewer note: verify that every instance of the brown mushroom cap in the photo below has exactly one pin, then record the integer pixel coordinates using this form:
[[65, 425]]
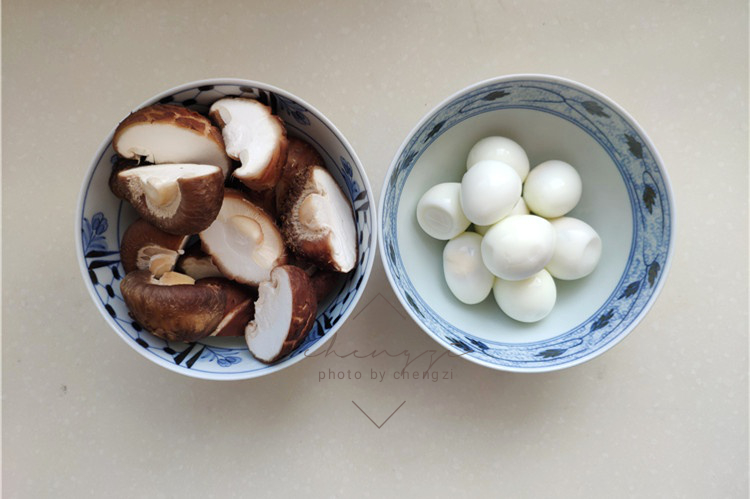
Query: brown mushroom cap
[[253, 136], [243, 241], [177, 198], [120, 165], [300, 157], [179, 312], [145, 247], [284, 314], [323, 281], [239, 309], [166, 133], [318, 221]]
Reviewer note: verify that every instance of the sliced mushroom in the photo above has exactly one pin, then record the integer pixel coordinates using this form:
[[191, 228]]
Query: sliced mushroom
[[243, 241], [284, 314], [165, 133], [253, 136], [120, 165], [300, 157], [323, 281], [145, 247], [177, 198], [265, 199], [239, 308], [197, 264], [318, 222], [173, 308]]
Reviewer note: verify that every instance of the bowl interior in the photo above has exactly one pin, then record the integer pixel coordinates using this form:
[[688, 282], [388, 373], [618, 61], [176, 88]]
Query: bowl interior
[[625, 198], [103, 219]]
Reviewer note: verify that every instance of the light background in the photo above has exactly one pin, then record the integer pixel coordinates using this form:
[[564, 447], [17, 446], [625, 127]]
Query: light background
[[664, 414]]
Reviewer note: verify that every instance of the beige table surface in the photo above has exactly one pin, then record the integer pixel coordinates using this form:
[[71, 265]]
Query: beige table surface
[[664, 414]]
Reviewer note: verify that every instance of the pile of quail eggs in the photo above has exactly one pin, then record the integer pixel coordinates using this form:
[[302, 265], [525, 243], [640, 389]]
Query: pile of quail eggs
[[521, 238]]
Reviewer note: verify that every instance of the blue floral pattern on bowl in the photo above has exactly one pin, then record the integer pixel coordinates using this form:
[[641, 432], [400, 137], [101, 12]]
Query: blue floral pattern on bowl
[[103, 218], [650, 203]]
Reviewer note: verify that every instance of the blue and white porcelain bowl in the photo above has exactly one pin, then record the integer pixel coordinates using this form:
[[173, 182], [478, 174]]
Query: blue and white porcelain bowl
[[102, 218], [626, 197]]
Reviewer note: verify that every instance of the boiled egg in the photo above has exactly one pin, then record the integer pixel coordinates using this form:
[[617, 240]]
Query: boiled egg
[[552, 189], [577, 249], [500, 149], [518, 246], [489, 191], [439, 211], [519, 209], [527, 300], [465, 273]]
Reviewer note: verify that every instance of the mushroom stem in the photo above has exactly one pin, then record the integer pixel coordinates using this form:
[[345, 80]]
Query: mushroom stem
[[160, 192], [172, 278], [247, 227]]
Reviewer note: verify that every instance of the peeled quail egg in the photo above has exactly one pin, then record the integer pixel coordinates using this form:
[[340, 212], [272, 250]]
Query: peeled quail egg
[[519, 209], [552, 189], [500, 149], [518, 247], [489, 191], [577, 249], [467, 277], [528, 300], [439, 211]]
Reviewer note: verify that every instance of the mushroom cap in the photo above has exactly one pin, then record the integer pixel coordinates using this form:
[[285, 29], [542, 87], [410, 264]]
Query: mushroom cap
[[166, 133], [120, 165], [255, 137], [300, 157], [318, 221], [234, 292], [284, 314], [243, 241], [235, 321], [179, 312], [177, 198], [146, 247], [239, 308], [323, 281]]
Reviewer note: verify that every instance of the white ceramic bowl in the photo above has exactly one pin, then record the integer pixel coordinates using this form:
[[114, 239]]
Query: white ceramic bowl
[[626, 197], [101, 219]]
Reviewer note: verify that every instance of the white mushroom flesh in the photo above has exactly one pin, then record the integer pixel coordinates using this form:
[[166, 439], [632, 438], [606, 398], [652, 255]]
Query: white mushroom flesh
[[168, 143], [251, 134], [173, 278], [273, 316], [243, 241], [159, 184], [327, 211], [200, 268]]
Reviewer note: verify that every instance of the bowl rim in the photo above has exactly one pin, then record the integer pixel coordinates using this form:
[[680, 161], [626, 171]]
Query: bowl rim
[[272, 368], [647, 141]]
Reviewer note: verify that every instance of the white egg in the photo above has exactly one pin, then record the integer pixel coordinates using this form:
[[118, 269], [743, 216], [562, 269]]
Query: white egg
[[518, 247], [467, 277], [529, 300], [500, 149], [552, 189], [489, 191], [519, 209], [439, 211], [577, 249]]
